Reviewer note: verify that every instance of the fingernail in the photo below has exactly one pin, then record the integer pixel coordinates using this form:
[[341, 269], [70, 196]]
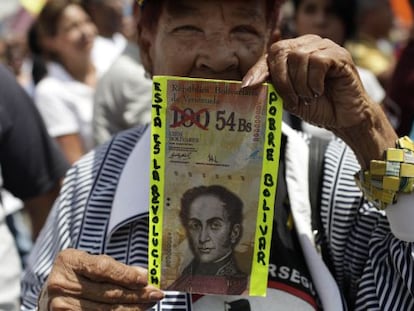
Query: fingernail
[[247, 81], [156, 295]]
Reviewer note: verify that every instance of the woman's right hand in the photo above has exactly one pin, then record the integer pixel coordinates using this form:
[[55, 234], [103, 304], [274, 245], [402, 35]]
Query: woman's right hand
[[80, 281]]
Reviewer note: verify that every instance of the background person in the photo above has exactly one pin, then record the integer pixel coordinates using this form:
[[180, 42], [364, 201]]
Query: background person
[[402, 84], [64, 96], [32, 168], [108, 16], [123, 95], [371, 47], [19, 61]]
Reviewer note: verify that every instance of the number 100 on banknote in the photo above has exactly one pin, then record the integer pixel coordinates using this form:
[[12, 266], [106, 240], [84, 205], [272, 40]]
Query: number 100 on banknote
[[214, 161]]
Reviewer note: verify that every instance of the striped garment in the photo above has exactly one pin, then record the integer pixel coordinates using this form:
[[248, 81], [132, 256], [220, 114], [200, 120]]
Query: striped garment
[[373, 269]]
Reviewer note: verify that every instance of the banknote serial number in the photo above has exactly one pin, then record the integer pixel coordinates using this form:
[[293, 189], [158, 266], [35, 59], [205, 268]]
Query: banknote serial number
[[223, 120]]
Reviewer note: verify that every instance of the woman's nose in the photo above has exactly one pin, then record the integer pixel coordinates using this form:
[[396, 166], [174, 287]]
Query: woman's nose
[[217, 55], [89, 30]]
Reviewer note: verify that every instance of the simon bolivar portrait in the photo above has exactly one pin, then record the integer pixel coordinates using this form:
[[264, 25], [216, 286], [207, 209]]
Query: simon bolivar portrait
[[212, 218]]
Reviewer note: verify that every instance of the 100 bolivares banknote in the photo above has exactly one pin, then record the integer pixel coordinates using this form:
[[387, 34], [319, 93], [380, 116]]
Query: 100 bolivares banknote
[[215, 152]]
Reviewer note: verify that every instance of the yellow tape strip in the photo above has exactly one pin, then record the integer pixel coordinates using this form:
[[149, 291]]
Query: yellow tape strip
[[263, 237], [158, 145]]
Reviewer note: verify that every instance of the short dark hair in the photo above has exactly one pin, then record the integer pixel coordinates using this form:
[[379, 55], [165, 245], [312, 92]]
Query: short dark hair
[[345, 10], [46, 24], [232, 203], [49, 17]]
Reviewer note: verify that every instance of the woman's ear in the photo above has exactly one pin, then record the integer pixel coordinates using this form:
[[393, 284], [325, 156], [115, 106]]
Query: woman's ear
[[145, 39]]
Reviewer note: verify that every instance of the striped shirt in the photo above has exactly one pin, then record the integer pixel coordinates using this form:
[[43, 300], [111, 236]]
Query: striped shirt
[[373, 269]]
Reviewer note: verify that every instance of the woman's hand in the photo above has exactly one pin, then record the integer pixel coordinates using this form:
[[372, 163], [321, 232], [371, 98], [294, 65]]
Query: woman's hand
[[79, 281], [319, 83], [317, 80]]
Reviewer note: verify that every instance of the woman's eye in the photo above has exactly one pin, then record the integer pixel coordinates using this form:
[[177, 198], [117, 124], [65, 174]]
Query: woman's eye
[[187, 29], [245, 29]]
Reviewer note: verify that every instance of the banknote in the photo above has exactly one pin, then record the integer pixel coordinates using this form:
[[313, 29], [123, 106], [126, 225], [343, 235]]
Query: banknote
[[215, 153]]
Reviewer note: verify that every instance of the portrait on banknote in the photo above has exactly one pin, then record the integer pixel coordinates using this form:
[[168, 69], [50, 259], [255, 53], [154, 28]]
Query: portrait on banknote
[[215, 151]]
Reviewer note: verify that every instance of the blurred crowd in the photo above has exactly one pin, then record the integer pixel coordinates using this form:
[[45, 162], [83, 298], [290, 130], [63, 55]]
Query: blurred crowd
[[65, 56], [379, 36], [80, 67]]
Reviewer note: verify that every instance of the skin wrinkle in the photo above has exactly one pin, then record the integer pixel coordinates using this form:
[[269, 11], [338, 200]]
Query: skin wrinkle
[[69, 276], [94, 271], [225, 43], [109, 293], [347, 85], [282, 76], [178, 9], [60, 284], [211, 38], [293, 76]]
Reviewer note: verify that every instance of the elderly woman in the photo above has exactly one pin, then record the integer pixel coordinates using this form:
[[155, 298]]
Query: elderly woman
[[92, 254]]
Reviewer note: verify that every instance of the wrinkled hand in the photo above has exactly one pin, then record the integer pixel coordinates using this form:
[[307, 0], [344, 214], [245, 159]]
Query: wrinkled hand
[[316, 79], [79, 281]]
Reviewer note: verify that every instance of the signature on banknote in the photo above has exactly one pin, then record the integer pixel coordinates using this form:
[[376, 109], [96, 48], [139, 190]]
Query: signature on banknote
[[212, 158], [180, 155]]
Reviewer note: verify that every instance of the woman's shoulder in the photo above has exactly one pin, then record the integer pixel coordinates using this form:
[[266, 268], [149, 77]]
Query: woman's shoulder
[[49, 85], [55, 79], [119, 147]]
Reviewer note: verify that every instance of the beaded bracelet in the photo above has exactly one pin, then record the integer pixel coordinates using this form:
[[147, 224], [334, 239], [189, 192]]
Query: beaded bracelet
[[385, 179]]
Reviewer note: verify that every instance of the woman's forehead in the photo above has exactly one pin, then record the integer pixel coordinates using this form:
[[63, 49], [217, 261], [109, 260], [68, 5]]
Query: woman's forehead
[[244, 8], [141, 3], [178, 3], [251, 10]]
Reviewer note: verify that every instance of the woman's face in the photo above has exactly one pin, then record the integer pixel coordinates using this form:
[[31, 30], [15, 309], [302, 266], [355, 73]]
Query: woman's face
[[208, 39], [317, 17], [75, 33]]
